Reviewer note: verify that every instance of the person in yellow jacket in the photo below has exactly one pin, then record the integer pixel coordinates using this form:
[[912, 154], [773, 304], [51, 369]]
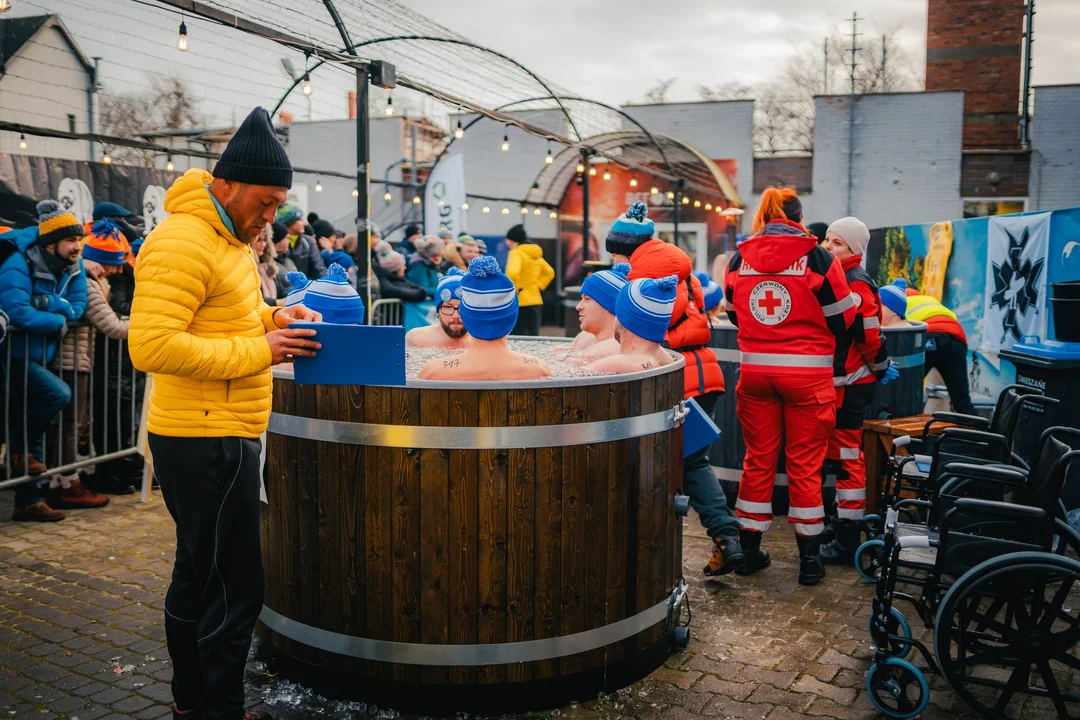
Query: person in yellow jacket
[[530, 273], [200, 325]]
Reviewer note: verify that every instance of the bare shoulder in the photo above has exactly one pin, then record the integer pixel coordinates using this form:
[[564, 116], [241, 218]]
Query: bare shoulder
[[533, 367], [416, 338], [442, 368], [613, 364]]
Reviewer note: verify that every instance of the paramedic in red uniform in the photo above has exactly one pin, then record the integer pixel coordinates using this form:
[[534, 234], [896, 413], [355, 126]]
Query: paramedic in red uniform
[[790, 301], [630, 239], [859, 363]]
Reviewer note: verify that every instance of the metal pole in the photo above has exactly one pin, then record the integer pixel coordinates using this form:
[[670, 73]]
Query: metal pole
[[363, 182], [675, 210], [584, 211], [1025, 117], [414, 180], [825, 70], [91, 91], [851, 113]]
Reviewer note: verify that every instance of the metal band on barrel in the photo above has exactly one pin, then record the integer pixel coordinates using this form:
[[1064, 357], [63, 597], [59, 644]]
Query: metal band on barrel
[[436, 437], [904, 361], [464, 655]]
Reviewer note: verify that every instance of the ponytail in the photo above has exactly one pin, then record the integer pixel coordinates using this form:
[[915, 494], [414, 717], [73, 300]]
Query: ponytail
[[772, 207]]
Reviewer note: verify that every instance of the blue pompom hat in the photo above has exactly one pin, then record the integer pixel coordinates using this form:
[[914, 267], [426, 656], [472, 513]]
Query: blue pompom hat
[[449, 286], [335, 298], [894, 297], [604, 286], [645, 306], [489, 304], [714, 294], [630, 230], [299, 282]]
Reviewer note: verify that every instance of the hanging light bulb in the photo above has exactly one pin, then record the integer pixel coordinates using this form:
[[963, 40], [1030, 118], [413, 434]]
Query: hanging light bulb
[[506, 142], [181, 42], [459, 132], [169, 164], [387, 196], [580, 168], [506, 211], [719, 210], [355, 191], [442, 203], [524, 210], [553, 214], [536, 211], [592, 172], [685, 200], [318, 185], [607, 173], [708, 206], [22, 138], [697, 203], [416, 200], [633, 181], [307, 84], [5, 5], [654, 190], [106, 159], [465, 206], [389, 106], [486, 210], [550, 158], [670, 195]]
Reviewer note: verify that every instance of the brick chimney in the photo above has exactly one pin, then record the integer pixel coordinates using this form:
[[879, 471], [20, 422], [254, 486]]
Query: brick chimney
[[975, 46]]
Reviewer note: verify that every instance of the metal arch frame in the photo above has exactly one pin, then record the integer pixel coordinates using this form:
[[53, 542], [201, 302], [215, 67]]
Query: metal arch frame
[[342, 30], [352, 48]]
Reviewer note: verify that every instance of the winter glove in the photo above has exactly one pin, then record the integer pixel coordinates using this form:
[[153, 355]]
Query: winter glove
[[58, 304], [891, 374], [931, 345]]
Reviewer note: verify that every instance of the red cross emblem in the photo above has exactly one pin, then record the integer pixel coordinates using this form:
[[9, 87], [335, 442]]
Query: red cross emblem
[[770, 302]]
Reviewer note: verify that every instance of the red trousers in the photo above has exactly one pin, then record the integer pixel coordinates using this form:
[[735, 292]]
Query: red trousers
[[800, 412], [845, 445]]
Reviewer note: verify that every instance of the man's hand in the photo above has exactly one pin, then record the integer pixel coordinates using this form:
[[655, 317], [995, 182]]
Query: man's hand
[[287, 316], [287, 344], [93, 269], [326, 243]]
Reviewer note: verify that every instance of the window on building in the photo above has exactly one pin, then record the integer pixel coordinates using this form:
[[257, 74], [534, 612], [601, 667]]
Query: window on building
[[984, 207], [71, 123]]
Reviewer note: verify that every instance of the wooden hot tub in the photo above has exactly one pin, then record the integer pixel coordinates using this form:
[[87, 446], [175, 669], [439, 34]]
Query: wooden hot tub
[[473, 545]]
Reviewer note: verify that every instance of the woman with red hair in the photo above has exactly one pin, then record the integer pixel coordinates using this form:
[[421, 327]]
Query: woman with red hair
[[790, 301]]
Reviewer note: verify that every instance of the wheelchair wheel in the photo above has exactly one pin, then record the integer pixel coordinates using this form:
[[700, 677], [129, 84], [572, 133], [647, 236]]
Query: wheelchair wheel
[[900, 691], [897, 625], [872, 526], [868, 559], [1010, 628]]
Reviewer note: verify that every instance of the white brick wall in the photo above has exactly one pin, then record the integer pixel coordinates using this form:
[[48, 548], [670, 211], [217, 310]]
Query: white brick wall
[[906, 163], [1055, 145]]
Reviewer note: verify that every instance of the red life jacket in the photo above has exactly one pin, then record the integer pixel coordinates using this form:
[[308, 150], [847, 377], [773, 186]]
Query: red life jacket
[[861, 357], [790, 301], [689, 332]]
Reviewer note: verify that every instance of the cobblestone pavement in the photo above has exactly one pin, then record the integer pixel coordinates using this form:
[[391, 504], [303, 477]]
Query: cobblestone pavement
[[81, 634]]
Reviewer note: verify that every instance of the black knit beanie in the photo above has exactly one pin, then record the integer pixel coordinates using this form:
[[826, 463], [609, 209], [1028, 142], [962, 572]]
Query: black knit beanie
[[254, 155], [280, 231], [517, 234], [793, 210], [322, 228]]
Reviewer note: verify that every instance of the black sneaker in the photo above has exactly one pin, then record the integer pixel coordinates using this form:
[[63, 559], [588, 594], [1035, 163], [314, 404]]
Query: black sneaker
[[727, 555]]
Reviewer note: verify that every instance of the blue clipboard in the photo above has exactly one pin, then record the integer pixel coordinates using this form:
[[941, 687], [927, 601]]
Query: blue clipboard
[[353, 355], [699, 429]]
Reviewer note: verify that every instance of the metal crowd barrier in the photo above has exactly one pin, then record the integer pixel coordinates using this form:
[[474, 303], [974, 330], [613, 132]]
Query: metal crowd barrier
[[60, 441], [389, 311]]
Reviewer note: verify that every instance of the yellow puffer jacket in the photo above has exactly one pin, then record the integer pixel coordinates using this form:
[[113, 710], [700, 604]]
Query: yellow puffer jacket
[[530, 272], [198, 322]]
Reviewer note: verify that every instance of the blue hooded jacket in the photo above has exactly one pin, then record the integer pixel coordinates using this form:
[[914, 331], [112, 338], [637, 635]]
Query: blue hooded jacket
[[35, 300]]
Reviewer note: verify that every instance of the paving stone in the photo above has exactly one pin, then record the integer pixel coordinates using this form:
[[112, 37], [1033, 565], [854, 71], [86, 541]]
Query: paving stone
[[777, 679], [108, 696], [67, 704], [736, 690], [132, 704], [725, 707], [769, 694], [810, 684]]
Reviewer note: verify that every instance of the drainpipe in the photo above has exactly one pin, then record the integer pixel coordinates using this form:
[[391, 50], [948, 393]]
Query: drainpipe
[[1025, 118], [91, 91]]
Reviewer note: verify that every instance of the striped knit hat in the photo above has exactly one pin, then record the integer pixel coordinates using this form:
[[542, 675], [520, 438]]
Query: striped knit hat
[[299, 282], [55, 224], [335, 298], [105, 244], [449, 287], [630, 230], [714, 294], [489, 304], [894, 296], [604, 286], [644, 307], [288, 213]]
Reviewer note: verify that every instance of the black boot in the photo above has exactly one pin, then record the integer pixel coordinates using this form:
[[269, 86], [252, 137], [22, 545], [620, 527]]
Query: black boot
[[754, 558], [811, 569], [840, 550]]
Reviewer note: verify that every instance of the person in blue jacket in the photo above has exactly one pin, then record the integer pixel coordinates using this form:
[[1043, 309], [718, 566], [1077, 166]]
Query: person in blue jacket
[[42, 289]]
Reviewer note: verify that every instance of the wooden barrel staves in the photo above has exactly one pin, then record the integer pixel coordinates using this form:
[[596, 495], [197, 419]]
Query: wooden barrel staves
[[473, 546]]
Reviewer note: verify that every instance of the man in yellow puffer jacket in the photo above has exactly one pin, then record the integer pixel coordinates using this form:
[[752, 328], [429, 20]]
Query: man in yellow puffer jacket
[[200, 325], [530, 273]]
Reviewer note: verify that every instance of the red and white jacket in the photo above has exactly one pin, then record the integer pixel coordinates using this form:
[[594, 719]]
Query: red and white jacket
[[861, 357], [790, 301]]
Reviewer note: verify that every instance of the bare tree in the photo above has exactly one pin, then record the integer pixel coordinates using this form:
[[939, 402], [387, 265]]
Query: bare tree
[[658, 93], [170, 105], [731, 90]]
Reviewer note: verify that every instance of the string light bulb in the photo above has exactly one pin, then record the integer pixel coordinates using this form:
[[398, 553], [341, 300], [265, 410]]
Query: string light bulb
[[181, 42], [580, 168], [719, 210], [465, 206], [654, 190], [697, 203], [107, 159], [389, 106], [318, 185], [670, 195], [387, 196], [592, 172], [708, 206], [536, 211], [459, 132], [553, 215], [307, 84], [355, 191], [506, 211], [524, 210], [506, 142], [416, 200], [550, 158], [486, 210], [22, 138], [633, 181], [685, 200], [169, 164], [5, 5], [607, 172]]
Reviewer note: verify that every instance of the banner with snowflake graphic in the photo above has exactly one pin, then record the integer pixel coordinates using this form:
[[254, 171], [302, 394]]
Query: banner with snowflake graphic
[[1015, 299]]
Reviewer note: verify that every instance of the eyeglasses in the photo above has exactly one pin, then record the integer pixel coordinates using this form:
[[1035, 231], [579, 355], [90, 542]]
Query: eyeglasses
[[448, 310]]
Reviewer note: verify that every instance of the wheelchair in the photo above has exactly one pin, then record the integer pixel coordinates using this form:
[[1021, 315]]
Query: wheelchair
[[999, 589]]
